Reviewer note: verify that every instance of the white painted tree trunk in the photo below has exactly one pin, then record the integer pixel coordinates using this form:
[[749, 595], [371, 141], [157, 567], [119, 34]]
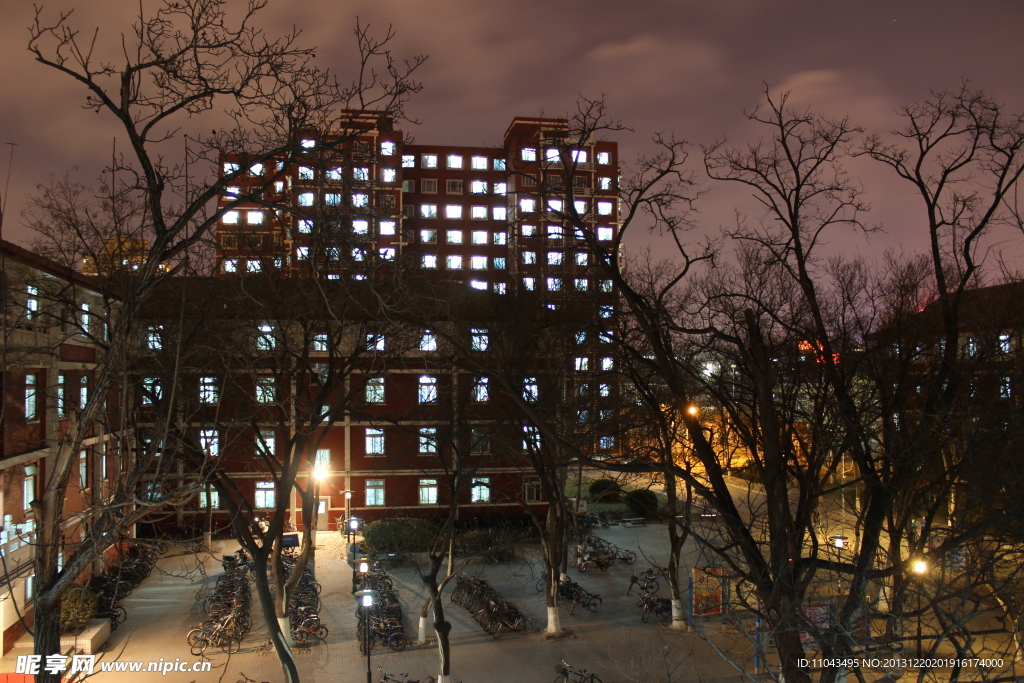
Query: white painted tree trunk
[[441, 678], [679, 614], [286, 630], [425, 629], [563, 577], [554, 621]]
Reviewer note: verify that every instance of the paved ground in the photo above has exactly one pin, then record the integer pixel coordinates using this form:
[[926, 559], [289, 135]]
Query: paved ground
[[612, 643]]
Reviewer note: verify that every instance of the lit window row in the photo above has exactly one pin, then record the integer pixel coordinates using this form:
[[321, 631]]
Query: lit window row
[[555, 155], [453, 162], [530, 205], [456, 211], [457, 262], [456, 237]]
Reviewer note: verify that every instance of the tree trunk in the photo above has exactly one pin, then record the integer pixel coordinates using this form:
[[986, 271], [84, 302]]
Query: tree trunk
[[268, 606]]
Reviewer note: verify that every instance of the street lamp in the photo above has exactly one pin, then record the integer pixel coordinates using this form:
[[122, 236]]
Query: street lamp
[[919, 567], [366, 596], [838, 541], [693, 410]]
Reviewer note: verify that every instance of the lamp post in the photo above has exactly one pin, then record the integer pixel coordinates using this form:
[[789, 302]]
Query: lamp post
[[366, 597]]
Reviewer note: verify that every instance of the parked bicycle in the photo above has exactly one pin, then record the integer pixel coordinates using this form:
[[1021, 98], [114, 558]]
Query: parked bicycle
[[567, 674], [647, 582], [652, 604]]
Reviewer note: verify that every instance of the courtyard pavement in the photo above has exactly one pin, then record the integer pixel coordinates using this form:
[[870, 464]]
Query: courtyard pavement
[[612, 643]]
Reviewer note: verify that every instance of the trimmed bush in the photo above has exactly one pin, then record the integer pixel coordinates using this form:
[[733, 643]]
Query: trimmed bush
[[77, 608], [400, 535], [642, 503], [605, 491], [475, 542]]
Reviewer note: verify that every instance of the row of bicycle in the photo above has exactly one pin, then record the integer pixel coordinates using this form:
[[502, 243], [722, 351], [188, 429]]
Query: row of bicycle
[[380, 619]]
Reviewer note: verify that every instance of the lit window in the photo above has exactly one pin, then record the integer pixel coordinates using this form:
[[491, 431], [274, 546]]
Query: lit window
[[604, 234], [551, 155], [427, 389], [360, 200], [1005, 387], [478, 284], [266, 444], [1005, 343], [230, 265], [361, 227], [305, 173], [478, 213], [265, 340], [209, 442], [232, 191], [528, 154], [500, 188], [582, 364], [83, 392], [358, 254], [605, 311], [480, 337], [429, 161], [554, 284], [605, 285], [387, 227], [554, 232], [252, 266], [428, 342], [31, 395], [152, 390], [500, 238], [334, 173], [481, 490], [607, 364], [155, 337], [308, 144], [581, 337], [499, 262], [387, 253], [28, 494], [499, 164], [554, 258], [305, 225], [408, 161], [604, 208], [428, 236], [454, 262], [479, 237], [556, 205], [428, 491], [375, 390], [428, 210], [971, 347], [580, 206], [478, 262], [323, 458], [454, 161], [478, 187], [230, 168], [478, 163], [499, 213], [604, 183], [387, 148], [374, 441], [499, 287], [529, 257], [581, 258], [388, 175], [306, 199], [529, 283], [374, 492], [527, 205], [302, 253], [375, 342], [582, 416], [531, 391], [212, 502], [481, 390], [579, 156], [230, 217], [606, 442], [604, 390], [266, 390], [208, 391], [531, 438], [360, 173], [528, 230], [453, 211], [430, 261], [428, 441], [604, 158], [265, 494]]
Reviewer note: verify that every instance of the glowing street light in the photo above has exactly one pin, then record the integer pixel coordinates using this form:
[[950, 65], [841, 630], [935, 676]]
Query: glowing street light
[[920, 567]]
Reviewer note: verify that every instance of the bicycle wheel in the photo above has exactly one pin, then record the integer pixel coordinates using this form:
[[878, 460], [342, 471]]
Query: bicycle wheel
[[594, 604], [118, 614], [230, 644], [300, 635], [562, 678], [197, 642], [397, 642], [593, 678], [652, 586], [320, 631], [629, 557], [523, 625]]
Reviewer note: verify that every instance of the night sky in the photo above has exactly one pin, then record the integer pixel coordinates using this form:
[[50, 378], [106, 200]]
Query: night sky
[[684, 66]]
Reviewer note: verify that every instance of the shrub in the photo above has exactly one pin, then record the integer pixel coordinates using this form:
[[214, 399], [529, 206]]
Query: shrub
[[77, 608], [400, 535], [474, 542], [642, 502], [605, 490]]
